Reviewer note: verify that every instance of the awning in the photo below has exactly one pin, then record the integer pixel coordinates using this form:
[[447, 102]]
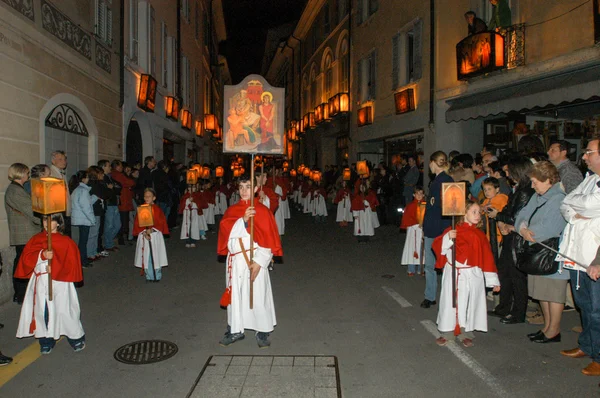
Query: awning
[[581, 84]]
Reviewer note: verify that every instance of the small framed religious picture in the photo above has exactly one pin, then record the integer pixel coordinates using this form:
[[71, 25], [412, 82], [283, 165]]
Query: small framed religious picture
[[454, 198]]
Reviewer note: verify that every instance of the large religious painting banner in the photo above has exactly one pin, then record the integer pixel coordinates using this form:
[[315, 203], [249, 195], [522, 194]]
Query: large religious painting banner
[[480, 53], [254, 117]]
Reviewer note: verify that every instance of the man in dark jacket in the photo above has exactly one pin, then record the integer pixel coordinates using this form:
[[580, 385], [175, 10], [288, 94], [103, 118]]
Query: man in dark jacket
[[112, 219], [145, 178], [475, 25], [162, 186]]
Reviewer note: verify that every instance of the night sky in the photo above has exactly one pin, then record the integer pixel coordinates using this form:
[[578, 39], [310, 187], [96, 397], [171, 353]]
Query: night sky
[[247, 22]]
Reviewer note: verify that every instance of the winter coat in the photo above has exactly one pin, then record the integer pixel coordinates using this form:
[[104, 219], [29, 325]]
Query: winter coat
[[22, 224], [82, 211], [127, 185]]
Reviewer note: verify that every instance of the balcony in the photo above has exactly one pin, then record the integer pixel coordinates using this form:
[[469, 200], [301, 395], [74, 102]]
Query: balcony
[[487, 52]]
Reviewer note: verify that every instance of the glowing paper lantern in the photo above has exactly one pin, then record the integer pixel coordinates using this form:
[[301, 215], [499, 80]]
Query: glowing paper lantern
[[293, 173], [361, 168], [421, 212], [186, 120], [145, 216], [191, 177], [365, 116], [405, 101], [205, 173], [219, 172], [236, 173], [147, 93], [306, 172], [347, 174], [172, 108], [48, 195]]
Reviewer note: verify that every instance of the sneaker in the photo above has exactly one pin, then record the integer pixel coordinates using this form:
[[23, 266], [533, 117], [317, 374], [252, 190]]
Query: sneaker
[[45, 350], [79, 346], [203, 237], [187, 245], [4, 360], [192, 245], [231, 338], [263, 340], [103, 253]]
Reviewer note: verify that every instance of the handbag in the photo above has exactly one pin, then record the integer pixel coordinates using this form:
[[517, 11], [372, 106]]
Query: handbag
[[535, 259]]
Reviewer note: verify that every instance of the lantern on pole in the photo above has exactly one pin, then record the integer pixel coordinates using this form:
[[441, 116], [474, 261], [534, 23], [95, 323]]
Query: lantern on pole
[[236, 172], [49, 196], [191, 177], [361, 168], [205, 173], [145, 216], [293, 173], [306, 172], [347, 174], [219, 171]]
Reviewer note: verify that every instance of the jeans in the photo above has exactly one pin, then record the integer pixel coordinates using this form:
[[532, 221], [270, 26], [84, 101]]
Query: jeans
[[92, 243], [587, 298], [124, 232], [151, 273], [430, 274], [413, 268], [48, 342], [19, 285], [84, 233], [112, 225]]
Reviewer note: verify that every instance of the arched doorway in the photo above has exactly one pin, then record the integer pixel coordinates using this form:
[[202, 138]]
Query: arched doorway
[[134, 151]]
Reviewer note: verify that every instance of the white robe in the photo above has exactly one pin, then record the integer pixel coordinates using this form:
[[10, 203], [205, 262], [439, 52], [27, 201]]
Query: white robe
[[190, 227], [210, 214], [412, 245], [63, 310], [375, 219], [471, 303], [159, 252], [363, 225], [239, 315], [235, 197], [202, 225], [284, 204], [279, 218], [343, 210], [307, 203], [319, 206], [221, 203]]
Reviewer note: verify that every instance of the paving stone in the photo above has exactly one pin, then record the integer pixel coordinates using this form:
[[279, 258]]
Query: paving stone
[[237, 370], [325, 382], [233, 380], [217, 392], [304, 361], [281, 370], [262, 361], [327, 372], [325, 393], [241, 361], [303, 371], [324, 361], [283, 361], [220, 360], [215, 380], [215, 370], [259, 370], [260, 380]]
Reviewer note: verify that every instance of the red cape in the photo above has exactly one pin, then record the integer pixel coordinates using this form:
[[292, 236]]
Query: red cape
[[472, 247], [266, 233], [200, 199], [372, 198], [340, 195], [160, 222], [66, 263], [358, 203], [184, 199], [409, 218]]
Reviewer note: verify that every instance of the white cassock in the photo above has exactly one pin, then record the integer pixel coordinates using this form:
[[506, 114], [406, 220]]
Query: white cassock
[[375, 219], [202, 225], [471, 304], [363, 225], [296, 195], [343, 210], [284, 205], [239, 315], [63, 311], [235, 197], [412, 245], [319, 207], [307, 202], [190, 226], [221, 203], [210, 214], [159, 252], [279, 218]]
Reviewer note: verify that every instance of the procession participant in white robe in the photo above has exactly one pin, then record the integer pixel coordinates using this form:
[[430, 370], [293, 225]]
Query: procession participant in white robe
[[373, 203], [190, 227], [279, 218], [221, 200], [307, 197], [200, 200], [210, 199], [319, 205], [234, 242], [343, 201], [49, 320], [411, 254], [284, 205], [361, 211], [475, 270], [151, 253]]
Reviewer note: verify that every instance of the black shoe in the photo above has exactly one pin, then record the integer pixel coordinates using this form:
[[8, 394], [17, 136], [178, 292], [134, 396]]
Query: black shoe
[[511, 320], [428, 303], [543, 339], [88, 265], [1, 326], [535, 335], [4, 360], [494, 313]]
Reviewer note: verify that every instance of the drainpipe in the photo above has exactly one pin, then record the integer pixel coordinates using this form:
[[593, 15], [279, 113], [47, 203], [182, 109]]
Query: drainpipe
[[431, 62], [178, 78], [349, 72], [122, 54]]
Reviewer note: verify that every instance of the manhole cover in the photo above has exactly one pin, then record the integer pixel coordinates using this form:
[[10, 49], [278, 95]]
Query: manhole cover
[[146, 351]]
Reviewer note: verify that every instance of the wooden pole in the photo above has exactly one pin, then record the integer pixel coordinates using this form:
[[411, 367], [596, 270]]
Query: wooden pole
[[49, 230], [454, 267], [252, 229]]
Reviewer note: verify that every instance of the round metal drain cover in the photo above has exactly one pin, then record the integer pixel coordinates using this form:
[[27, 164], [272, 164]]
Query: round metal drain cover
[[146, 351]]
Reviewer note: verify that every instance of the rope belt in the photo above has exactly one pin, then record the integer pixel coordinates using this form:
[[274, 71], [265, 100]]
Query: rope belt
[[32, 325]]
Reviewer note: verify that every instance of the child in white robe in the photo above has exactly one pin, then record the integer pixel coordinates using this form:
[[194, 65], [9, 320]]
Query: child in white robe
[[411, 254], [362, 213], [190, 228]]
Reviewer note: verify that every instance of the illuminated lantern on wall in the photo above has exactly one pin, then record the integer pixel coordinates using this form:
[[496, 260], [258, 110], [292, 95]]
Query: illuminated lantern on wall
[[479, 54], [344, 102], [301, 126], [338, 104], [210, 122], [347, 174], [292, 133], [191, 177], [219, 171], [318, 114], [172, 108], [145, 216], [365, 116], [48, 195], [198, 128], [290, 150], [405, 101], [147, 93], [186, 120], [361, 168]]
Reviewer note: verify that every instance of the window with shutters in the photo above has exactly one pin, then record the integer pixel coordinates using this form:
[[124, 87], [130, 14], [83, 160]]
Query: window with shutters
[[164, 54], [207, 103], [133, 31], [344, 66], [103, 22], [171, 63], [328, 80], [366, 8], [407, 54], [367, 77], [185, 9]]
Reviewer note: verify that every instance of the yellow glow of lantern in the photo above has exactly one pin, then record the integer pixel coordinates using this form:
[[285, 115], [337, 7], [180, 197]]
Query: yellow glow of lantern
[[198, 128], [147, 93], [48, 195], [172, 108], [219, 171], [347, 174], [210, 122], [205, 173], [365, 116], [191, 177], [306, 172], [145, 216], [186, 120], [293, 173], [362, 168], [421, 212]]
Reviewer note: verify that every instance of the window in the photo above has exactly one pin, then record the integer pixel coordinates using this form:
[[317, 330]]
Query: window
[[207, 104], [197, 22], [185, 80], [313, 89], [206, 29], [366, 8], [407, 54], [367, 77], [147, 46], [164, 53], [171, 63], [133, 30], [344, 66], [328, 80], [103, 23], [304, 94], [185, 9]]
